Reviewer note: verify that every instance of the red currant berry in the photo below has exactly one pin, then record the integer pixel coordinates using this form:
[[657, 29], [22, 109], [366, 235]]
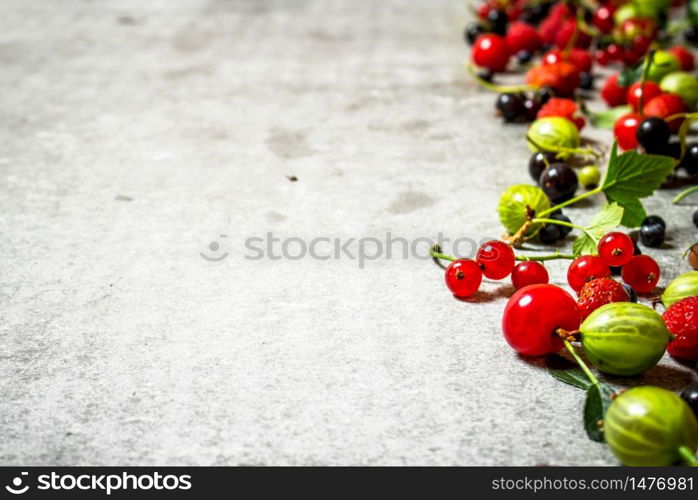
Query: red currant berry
[[491, 51], [496, 259], [616, 249], [642, 273], [646, 91], [586, 268], [529, 272], [614, 52], [625, 130], [463, 277], [603, 18], [601, 57], [533, 315]]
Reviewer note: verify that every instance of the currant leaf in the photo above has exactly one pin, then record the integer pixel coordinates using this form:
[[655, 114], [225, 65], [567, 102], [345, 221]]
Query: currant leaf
[[608, 219], [597, 402], [607, 119], [632, 176], [683, 131], [566, 371]]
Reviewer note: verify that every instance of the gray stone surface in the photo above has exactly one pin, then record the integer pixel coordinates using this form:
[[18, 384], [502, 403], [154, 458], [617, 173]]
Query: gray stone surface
[[135, 133]]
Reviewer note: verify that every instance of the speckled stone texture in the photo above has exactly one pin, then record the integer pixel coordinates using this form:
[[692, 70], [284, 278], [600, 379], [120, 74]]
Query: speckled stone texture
[[134, 134]]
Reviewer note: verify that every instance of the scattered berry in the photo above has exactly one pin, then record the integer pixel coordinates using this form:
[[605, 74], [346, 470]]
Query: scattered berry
[[538, 162], [523, 37], [490, 51], [645, 91], [616, 248], [664, 106], [652, 234], [496, 259], [497, 20], [472, 31], [598, 292], [689, 162], [632, 295], [690, 396], [564, 230], [653, 135], [613, 93], [509, 106], [562, 77], [654, 219], [565, 108], [528, 272], [625, 130], [682, 320], [684, 56], [586, 268], [549, 234], [589, 176], [463, 277], [642, 273], [559, 182]]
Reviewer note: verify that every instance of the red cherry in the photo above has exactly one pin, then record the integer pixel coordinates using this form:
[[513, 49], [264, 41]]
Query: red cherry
[[685, 57], [491, 51], [496, 259], [483, 10], [601, 57], [615, 52], [647, 91], [624, 130], [533, 315], [664, 106], [642, 273], [616, 249], [612, 93], [528, 272], [603, 19], [586, 268], [463, 277]]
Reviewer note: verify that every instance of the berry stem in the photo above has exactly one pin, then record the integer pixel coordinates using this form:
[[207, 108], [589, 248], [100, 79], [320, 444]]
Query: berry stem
[[581, 363], [497, 88], [571, 201], [645, 71], [562, 223], [684, 193], [688, 456], [435, 252], [541, 258], [562, 149]]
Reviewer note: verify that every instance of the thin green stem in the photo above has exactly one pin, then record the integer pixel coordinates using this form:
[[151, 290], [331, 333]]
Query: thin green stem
[[539, 220], [438, 255], [581, 363], [570, 202], [497, 88], [563, 149], [684, 193], [541, 258], [645, 71], [688, 456]]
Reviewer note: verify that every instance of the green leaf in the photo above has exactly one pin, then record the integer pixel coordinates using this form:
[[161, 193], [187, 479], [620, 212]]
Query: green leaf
[[608, 219], [597, 402], [632, 176], [683, 131], [566, 371], [607, 119], [630, 75]]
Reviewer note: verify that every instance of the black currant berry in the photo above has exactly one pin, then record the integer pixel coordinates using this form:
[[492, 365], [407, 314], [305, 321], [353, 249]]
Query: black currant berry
[[523, 56], [509, 106], [472, 31], [689, 162], [673, 150], [498, 21], [653, 135], [691, 35], [531, 108], [586, 81], [654, 219], [559, 182], [695, 218], [564, 230], [632, 295], [538, 162], [690, 395], [652, 235], [544, 94], [485, 74], [549, 234]]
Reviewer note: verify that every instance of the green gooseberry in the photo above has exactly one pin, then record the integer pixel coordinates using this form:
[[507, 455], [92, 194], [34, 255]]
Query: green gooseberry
[[552, 133], [589, 176], [647, 426], [684, 285], [513, 206], [624, 338], [625, 12], [663, 63], [683, 84]]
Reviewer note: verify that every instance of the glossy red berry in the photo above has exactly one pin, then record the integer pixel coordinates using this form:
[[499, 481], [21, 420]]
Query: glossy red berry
[[685, 57], [664, 106], [533, 315], [529, 272], [496, 259], [625, 130], [586, 268], [613, 93], [601, 57], [642, 273], [603, 18], [646, 91], [616, 249], [463, 277], [491, 51]]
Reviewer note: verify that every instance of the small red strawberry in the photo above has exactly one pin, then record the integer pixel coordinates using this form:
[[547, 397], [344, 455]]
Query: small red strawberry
[[665, 105], [598, 292], [613, 93], [566, 108], [523, 36], [682, 320], [562, 77], [685, 57]]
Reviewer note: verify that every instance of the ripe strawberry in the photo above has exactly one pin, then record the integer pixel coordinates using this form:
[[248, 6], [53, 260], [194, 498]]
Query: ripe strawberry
[[523, 36], [570, 29], [562, 77], [565, 108], [665, 105], [598, 292], [682, 320], [685, 57], [612, 93]]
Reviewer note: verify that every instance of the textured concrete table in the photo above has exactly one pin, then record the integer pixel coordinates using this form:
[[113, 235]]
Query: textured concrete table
[[136, 134]]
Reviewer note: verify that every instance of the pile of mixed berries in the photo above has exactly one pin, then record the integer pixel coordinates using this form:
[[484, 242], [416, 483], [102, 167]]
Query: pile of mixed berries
[[565, 52]]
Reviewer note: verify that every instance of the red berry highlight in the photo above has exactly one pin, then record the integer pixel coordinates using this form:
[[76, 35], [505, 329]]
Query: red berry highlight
[[496, 259], [491, 51], [616, 249], [625, 130]]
